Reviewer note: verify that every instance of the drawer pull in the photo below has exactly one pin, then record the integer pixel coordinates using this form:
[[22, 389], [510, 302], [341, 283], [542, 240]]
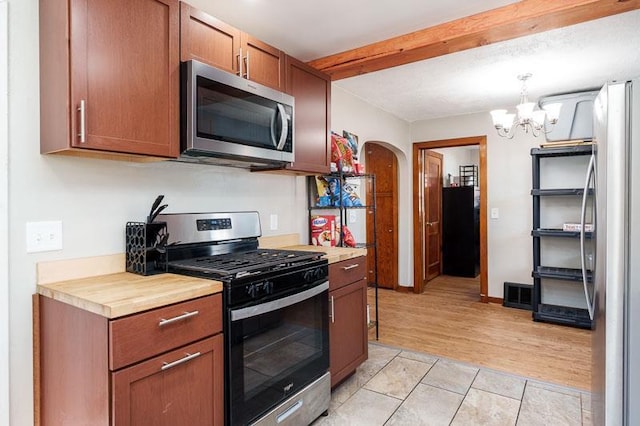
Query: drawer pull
[[333, 314], [178, 318], [346, 268], [188, 357]]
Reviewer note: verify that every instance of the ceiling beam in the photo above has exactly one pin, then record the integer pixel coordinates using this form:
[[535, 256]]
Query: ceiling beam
[[505, 23]]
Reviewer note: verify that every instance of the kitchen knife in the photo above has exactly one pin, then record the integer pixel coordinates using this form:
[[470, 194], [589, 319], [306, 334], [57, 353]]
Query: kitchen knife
[[161, 246], [155, 205], [157, 212]]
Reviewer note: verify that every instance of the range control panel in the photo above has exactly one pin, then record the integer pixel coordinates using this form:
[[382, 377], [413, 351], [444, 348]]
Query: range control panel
[[211, 227], [213, 224]]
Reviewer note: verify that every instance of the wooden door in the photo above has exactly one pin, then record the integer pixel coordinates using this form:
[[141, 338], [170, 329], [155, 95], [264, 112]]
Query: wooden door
[[348, 330], [125, 70], [433, 213], [312, 92], [262, 63], [189, 392], [383, 163], [207, 39]]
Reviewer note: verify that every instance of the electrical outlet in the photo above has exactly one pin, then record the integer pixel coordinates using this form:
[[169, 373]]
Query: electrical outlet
[[44, 236], [273, 222], [352, 216], [495, 213]]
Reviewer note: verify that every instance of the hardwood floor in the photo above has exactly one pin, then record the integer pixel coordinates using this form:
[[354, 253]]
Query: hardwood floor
[[448, 320]]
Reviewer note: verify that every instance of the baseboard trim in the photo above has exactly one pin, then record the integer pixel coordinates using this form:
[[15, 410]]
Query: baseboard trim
[[498, 300], [403, 289]]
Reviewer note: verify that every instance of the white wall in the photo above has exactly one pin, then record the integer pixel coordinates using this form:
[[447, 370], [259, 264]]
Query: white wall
[[453, 158], [95, 198], [508, 189], [374, 125]]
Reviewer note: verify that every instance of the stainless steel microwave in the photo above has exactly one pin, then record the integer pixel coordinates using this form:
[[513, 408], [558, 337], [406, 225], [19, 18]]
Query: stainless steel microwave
[[229, 120]]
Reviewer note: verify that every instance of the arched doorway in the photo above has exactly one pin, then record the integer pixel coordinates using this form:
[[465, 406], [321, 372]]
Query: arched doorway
[[382, 162]]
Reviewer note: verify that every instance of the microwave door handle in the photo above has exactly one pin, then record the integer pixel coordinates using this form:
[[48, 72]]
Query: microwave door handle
[[274, 141], [285, 127], [590, 172]]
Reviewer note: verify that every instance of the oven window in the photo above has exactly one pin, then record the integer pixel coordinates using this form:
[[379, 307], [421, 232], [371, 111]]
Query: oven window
[[276, 354]]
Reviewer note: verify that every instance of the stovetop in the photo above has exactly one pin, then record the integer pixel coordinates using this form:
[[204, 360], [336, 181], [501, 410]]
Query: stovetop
[[245, 263]]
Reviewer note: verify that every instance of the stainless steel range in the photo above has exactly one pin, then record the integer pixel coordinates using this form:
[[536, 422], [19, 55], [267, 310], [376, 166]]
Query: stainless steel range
[[275, 316]]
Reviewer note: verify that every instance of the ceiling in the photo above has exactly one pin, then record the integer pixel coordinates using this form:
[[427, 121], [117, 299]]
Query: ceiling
[[575, 58]]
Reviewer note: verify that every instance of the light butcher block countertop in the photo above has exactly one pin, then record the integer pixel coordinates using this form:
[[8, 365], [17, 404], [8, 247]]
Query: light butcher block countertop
[[115, 293], [292, 242], [333, 254], [101, 286]]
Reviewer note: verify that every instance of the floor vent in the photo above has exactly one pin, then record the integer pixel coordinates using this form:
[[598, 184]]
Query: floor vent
[[518, 295]]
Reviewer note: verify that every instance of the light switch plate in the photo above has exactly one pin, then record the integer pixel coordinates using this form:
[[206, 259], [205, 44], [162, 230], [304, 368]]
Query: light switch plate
[[44, 236], [273, 222]]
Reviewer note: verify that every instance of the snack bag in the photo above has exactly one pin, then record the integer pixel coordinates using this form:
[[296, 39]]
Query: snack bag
[[334, 191], [323, 198], [343, 155], [348, 239], [350, 196]]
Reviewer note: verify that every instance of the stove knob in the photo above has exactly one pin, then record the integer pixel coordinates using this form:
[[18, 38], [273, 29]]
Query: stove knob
[[251, 290], [319, 274], [309, 276]]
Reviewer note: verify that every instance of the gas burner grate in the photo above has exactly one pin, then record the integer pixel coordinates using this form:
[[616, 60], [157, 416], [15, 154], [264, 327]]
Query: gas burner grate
[[244, 263]]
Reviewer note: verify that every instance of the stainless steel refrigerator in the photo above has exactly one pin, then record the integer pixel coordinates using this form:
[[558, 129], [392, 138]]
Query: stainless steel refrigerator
[[615, 296]]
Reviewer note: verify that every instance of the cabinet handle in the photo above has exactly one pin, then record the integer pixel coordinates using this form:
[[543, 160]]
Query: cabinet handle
[[239, 59], [346, 268], [333, 320], [178, 318], [82, 133], [246, 65], [188, 357]]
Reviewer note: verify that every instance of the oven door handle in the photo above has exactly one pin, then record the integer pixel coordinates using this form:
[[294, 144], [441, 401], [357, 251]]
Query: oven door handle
[[263, 308]]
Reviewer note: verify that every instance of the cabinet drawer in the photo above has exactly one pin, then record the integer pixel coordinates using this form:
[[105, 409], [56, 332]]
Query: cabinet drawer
[[346, 272], [144, 335]]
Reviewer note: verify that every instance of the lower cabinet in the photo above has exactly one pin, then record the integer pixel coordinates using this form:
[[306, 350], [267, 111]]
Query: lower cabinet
[[90, 371], [348, 317], [181, 387]]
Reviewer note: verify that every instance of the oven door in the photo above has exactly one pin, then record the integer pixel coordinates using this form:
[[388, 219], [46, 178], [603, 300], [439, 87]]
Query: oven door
[[275, 349]]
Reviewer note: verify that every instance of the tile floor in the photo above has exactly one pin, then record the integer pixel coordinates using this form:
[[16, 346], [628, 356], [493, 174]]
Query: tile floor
[[399, 387]]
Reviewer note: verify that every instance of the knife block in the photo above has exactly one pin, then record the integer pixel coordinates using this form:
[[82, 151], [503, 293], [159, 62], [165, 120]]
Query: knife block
[[143, 256]]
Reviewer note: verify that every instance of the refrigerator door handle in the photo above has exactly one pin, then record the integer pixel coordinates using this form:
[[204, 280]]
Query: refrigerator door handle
[[583, 212]]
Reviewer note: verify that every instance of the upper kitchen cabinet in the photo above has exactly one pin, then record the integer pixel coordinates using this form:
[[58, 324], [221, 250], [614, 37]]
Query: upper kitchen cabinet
[[209, 40], [109, 77], [312, 92]]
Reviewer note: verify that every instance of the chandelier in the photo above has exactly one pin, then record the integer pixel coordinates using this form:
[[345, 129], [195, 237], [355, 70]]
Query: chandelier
[[526, 118]]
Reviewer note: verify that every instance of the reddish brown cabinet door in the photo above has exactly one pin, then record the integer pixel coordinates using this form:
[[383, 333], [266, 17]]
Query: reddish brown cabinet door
[[184, 386], [312, 92], [208, 40], [125, 76], [348, 330], [262, 63]]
